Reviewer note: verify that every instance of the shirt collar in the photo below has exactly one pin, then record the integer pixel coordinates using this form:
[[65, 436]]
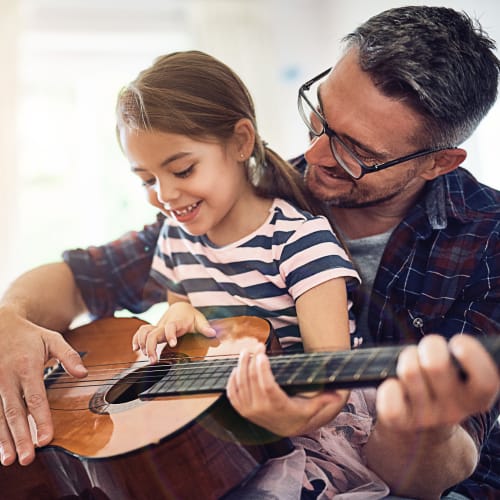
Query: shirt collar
[[435, 203]]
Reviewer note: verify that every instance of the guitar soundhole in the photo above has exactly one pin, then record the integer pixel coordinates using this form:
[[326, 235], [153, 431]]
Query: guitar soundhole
[[123, 394], [129, 387]]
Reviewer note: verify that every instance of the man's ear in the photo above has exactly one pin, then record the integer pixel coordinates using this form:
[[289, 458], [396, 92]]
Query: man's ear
[[443, 162], [244, 138]]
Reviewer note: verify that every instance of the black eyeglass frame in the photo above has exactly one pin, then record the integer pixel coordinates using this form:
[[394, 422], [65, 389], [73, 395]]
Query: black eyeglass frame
[[332, 135]]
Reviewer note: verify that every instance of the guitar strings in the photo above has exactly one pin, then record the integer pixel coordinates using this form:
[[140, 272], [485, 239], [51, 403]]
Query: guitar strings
[[180, 367]]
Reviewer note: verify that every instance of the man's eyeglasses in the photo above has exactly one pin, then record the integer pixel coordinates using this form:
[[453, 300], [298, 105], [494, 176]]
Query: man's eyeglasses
[[345, 157]]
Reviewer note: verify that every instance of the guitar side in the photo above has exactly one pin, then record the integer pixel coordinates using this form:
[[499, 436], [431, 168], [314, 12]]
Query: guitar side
[[110, 444]]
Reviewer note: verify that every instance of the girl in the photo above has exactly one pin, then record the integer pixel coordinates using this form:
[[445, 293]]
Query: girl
[[239, 238]]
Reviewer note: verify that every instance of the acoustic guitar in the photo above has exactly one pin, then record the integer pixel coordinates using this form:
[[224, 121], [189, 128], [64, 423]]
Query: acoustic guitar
[[133, 431]]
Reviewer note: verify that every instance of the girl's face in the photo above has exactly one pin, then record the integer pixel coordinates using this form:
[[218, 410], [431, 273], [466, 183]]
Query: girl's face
[[203, 185]]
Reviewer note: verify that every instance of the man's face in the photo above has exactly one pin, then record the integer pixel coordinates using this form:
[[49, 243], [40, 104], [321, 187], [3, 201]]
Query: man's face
[[376, 128]]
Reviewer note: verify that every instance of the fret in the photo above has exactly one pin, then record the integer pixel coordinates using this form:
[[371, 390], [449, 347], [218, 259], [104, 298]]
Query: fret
[[287, 369], [315, 374], [217, 378], [342, 369], [365, 365], [210, 376], [310, 367], [382, 363]]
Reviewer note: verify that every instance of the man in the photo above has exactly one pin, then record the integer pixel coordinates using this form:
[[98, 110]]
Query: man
[[412, 85]]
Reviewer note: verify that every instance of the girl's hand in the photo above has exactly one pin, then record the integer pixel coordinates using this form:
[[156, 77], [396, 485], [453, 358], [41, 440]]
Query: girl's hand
[[180, 318], [254, 393]]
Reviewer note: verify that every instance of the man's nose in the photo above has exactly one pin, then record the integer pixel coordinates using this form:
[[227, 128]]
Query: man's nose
[[319, 152]]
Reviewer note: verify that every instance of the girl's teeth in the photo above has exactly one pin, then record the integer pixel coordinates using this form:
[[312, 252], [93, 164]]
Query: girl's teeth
[[186, 210]]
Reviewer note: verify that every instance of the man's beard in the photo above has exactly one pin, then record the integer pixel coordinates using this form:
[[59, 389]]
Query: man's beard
[[345, 202], [357, 197]]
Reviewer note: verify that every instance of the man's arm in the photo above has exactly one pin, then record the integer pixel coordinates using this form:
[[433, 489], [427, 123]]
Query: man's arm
[[418, 445], [46, 295], [35, 308], [43, 302]]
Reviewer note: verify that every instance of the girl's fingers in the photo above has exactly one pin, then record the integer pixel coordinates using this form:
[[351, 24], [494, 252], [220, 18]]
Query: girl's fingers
[[139, 338]]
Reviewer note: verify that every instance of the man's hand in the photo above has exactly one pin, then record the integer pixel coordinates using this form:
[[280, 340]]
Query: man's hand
[[429, 392], [24, 350], [418, 445]]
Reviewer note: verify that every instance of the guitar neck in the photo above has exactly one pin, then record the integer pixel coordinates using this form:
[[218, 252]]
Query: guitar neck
[[295, 372]]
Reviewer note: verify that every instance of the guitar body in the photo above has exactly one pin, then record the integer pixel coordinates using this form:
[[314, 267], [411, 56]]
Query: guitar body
[[110, 444]]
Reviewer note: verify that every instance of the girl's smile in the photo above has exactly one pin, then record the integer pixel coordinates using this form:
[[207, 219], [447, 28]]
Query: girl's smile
[[201, 185], [186, 214]]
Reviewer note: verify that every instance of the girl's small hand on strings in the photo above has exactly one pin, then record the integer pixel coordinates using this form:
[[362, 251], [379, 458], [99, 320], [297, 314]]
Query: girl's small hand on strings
[[180, 318]]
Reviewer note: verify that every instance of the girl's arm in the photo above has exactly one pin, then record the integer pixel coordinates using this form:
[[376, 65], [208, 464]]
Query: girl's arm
[[323, 317], [252, 390]]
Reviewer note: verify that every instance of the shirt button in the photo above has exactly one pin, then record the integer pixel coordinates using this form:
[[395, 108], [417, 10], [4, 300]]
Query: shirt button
[[418, 322]]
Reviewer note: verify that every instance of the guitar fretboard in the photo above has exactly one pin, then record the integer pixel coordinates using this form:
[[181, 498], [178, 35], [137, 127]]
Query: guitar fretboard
[[294, 372]]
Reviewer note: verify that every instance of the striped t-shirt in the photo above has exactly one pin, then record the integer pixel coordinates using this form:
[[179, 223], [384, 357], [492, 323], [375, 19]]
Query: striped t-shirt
[[261, 274]]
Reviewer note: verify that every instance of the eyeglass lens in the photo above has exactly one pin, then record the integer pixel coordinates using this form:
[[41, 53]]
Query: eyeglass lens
[[309, 109]]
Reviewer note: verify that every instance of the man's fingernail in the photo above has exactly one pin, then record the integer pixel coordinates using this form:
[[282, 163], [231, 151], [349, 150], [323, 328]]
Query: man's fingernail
[[42, 438], [80, 368]]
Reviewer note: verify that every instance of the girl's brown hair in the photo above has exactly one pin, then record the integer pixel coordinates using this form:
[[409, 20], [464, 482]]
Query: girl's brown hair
[[193, 94]]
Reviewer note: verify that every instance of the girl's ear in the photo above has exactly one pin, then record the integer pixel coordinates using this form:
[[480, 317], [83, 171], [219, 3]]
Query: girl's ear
[[243, 139], [443, 162]]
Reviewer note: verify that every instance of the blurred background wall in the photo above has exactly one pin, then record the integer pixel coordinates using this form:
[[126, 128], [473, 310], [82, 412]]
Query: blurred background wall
[[63, 180]]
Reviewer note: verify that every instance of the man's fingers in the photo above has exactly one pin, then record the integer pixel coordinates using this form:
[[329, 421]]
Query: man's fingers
[[483, 376], [16, 435], [67, 356], [7, 448], [37, 406], [391, 404], [430, 392], [29, 401]]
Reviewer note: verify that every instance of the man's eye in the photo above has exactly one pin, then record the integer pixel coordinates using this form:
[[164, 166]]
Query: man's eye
[[185, 173], [368, 160]]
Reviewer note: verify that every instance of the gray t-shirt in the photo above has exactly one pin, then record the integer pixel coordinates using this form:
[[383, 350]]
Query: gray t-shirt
[[366, 254]]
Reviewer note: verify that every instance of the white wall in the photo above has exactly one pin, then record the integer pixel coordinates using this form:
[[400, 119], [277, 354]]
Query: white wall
[[71, 57], [8, 158]]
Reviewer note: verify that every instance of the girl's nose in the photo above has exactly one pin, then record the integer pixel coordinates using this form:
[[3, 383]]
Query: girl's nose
[[166, 192]]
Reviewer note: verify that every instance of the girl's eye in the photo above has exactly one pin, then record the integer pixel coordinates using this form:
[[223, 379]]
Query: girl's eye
[[185, 173], [149, 183]]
